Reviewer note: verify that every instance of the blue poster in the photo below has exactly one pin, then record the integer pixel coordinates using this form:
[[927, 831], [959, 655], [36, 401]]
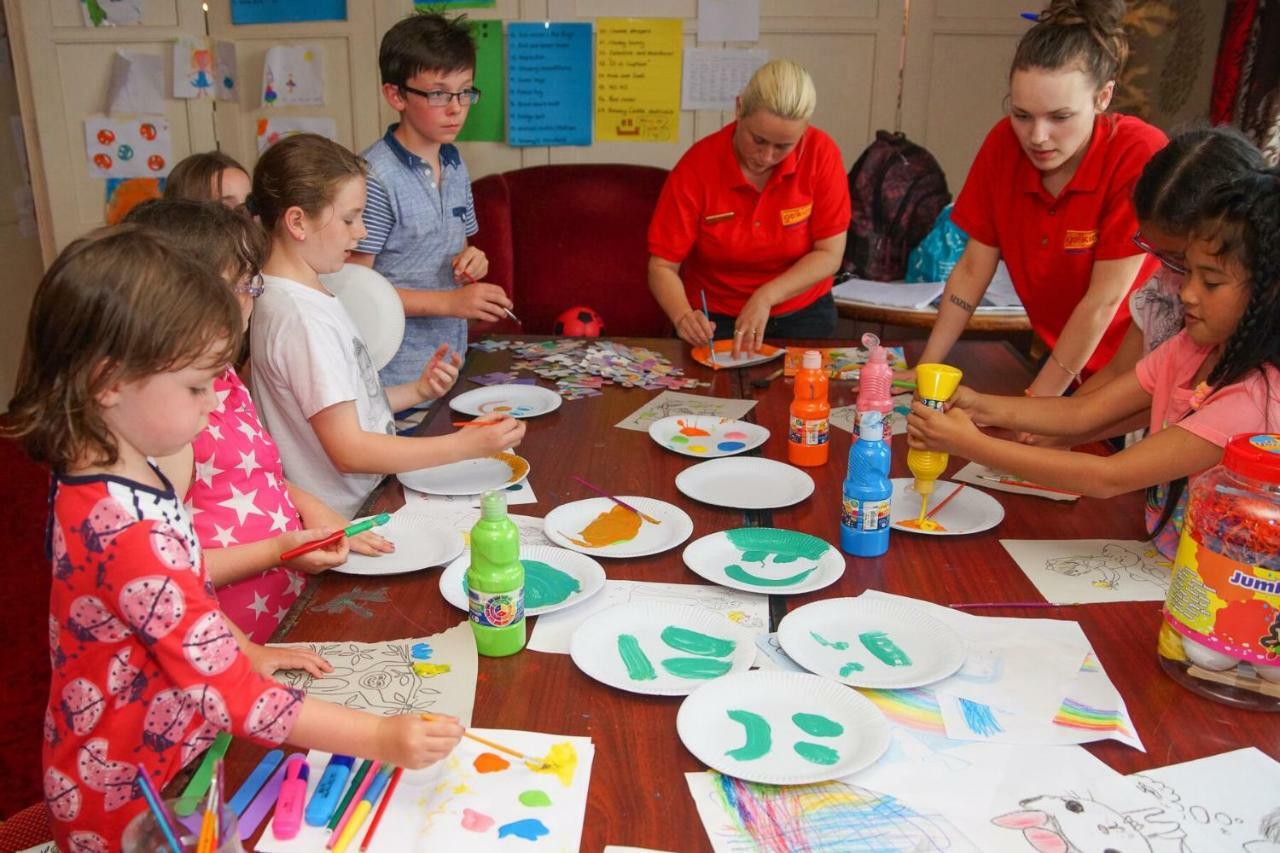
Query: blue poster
[[287, 11], [549, 72]]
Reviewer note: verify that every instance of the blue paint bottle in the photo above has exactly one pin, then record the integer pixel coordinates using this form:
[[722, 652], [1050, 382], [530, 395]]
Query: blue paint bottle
[[864, 515]]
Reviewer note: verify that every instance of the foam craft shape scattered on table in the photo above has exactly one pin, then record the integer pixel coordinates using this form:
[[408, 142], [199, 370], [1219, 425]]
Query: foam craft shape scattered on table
[[972, 511], [745, 482], [672, 403], [1086, 571], [565, 524], [765, 559], [421, 541], [707, 437], [381, 677], [470, 476], [517, 401], [555, 579]]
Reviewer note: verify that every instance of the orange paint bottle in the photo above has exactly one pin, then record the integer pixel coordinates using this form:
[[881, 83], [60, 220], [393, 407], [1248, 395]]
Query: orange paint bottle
[[810, 414]]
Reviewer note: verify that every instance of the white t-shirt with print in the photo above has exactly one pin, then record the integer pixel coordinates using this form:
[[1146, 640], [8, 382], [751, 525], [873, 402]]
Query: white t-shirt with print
[[307, 355]]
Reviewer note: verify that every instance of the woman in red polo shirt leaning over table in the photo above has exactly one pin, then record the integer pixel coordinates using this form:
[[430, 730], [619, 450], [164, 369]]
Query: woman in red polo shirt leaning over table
[[755, 216], [1050, 193]]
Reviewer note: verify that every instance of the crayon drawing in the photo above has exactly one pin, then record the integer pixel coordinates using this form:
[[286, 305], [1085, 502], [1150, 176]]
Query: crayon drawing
[[1081, 571]]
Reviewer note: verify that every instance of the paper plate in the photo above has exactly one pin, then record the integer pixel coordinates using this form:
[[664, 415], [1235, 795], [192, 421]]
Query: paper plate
[[470, 476], [569, 520], [660, 649], [725, 359], [747, 482], [518, 401], [972, 511], [782, 728], [765, 560], [707, 437], [884, 644], [374, 306], [421, 542], [554, 578]]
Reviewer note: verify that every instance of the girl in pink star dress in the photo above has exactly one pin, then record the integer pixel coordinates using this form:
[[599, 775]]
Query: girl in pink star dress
[[245, 512], [125, 339]]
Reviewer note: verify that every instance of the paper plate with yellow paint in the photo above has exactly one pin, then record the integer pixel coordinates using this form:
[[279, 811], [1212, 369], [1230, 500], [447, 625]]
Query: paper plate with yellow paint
[[554, 578], [724, 355], [707, 436], [602, 528], [973, 510], [470, 476]]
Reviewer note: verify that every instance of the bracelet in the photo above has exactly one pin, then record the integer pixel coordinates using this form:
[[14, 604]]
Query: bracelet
[[1072, 373]]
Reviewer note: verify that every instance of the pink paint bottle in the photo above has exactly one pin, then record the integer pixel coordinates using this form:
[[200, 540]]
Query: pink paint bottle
[[875, 384]]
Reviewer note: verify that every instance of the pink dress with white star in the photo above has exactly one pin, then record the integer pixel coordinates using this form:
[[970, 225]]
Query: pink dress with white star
[[238, 496], [145, 669]]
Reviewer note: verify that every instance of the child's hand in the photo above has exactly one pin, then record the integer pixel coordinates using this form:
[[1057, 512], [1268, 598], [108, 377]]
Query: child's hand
[[267, 660], [369, 544], [439, 374], [501, 433], [964, 398], [929, 429], [411, 742], [470, 265], [319, 560], [480, 301]]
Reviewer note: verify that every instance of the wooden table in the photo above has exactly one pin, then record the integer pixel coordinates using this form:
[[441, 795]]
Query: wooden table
[[638, 794], [887, 315]]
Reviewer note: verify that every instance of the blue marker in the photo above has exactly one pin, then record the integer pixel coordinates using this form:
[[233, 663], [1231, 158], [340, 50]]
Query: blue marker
[[329, 789], [1034, 17], [256, 780]]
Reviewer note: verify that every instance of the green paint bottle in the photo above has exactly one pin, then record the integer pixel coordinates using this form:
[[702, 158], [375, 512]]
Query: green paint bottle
[[495, 580]]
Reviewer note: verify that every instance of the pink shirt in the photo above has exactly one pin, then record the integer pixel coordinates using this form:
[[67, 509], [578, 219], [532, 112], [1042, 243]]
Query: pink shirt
[[1250, 405], [239, 495]]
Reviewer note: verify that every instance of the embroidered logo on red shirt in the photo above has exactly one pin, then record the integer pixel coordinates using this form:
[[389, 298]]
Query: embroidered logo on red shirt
[[1076, 241], [795, 215]]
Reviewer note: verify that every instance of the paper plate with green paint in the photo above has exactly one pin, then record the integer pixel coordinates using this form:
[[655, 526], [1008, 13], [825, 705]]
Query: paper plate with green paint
[[782, 728], [660, 649], [707, 436], [871, 643], [765, 559], [554, 578]]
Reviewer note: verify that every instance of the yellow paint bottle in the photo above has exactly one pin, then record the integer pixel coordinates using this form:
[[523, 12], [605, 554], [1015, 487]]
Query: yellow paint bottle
[[935, 383]]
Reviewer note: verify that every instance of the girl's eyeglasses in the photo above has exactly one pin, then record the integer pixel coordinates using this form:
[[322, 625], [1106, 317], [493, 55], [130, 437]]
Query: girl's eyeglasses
[[441, 98], [1163, 257], [254, 287]]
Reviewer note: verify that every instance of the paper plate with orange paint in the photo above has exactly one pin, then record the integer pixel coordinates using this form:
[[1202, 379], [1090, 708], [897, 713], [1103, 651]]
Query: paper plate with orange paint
[[707, 436], [468, 477], [724, 355], [602, 528]]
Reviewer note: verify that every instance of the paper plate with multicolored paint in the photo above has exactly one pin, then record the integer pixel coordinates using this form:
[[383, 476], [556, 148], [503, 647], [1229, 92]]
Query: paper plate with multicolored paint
[[659, 649], [782, 728], [707, 436], [470, 476], [554, 578], [517, 401], [766, 560]]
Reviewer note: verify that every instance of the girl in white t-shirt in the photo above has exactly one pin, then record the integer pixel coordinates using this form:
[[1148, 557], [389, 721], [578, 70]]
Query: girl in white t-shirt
[[313, 379]]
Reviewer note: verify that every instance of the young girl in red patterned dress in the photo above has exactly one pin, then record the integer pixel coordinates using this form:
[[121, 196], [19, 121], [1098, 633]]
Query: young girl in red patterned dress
[[125, 338]]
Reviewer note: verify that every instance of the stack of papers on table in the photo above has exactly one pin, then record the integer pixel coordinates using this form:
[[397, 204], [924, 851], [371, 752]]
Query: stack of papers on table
[[1000, 298]]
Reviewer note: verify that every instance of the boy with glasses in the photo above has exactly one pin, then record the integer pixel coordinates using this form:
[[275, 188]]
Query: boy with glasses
[[419, 211]]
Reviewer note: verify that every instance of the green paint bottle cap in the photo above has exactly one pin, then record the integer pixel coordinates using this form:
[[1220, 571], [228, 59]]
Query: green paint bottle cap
[[493, 506]]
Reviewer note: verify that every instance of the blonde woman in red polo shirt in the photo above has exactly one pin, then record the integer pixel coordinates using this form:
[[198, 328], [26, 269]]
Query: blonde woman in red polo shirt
[[755, 216], [1050, 192]]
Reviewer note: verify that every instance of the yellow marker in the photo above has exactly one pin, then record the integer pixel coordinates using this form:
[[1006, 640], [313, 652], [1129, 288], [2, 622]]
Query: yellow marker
[[935, 383], [353, 826]]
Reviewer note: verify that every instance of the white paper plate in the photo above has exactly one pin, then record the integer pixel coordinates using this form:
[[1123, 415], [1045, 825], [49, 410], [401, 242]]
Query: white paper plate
[[470, 476], [853, 735], [747, 482], [569, 520], [777, 562], [374, 306], [421, 542], [972, 511], [707, 437], [895, 644], [711, 648], [539, 581], [518, 401]]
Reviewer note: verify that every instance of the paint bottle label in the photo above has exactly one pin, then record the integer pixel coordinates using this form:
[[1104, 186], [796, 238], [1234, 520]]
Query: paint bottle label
[[809, 432], [865, 515], [496, 610]]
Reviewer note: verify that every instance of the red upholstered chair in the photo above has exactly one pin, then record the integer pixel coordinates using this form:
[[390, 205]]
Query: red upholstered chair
[[571, 235]]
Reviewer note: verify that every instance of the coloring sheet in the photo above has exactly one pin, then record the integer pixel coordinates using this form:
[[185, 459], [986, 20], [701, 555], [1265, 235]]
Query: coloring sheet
[[1086, 571], [747, 610], [744, 816], [293, 75], [111, 13], [670, 403], [138, 147], [204, 69], [989, 478], [842, 417], [137, 84], [272, 130], [435, 674], [1227, 802], [475, 800]]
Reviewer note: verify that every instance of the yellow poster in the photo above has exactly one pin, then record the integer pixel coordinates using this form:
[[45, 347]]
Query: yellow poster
[[638, 79]]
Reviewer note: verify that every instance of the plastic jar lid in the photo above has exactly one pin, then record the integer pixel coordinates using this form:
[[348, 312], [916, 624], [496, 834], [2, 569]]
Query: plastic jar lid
[[1255, 455]]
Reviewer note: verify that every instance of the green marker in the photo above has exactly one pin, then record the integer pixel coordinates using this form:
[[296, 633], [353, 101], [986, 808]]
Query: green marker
[[495, 580], [335, 537], [351, 792]]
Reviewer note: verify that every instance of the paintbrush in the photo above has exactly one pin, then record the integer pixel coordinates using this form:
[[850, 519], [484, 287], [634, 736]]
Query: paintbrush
[[468, 278], [537, 763], [618, 501], [945, 501], [764, 381], [464, 424], [707, 313]]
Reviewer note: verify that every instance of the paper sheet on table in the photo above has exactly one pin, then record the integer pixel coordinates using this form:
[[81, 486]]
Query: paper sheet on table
[[520, 493], [712, 79], [728, 20], [747, 610], [137, 84], [293, 75], [381, 677], [670, 403], [989, 478], [1224, 802], [1001, 297], [461, 512], [842, 417], [1087, 571], [453, 806]]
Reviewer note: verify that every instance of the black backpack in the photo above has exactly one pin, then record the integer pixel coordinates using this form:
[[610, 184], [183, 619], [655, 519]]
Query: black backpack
[[897, 190]]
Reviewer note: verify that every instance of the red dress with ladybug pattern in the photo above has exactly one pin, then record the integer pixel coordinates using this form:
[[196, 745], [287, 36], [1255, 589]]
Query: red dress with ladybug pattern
[[145, 668]]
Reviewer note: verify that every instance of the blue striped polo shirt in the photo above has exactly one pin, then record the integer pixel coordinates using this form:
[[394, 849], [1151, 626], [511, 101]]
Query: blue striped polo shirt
[[415, 231]]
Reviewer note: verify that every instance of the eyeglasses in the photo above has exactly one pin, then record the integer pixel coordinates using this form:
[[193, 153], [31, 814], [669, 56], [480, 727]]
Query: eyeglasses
[[1163, 257], [441, 98], [254, 288]]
